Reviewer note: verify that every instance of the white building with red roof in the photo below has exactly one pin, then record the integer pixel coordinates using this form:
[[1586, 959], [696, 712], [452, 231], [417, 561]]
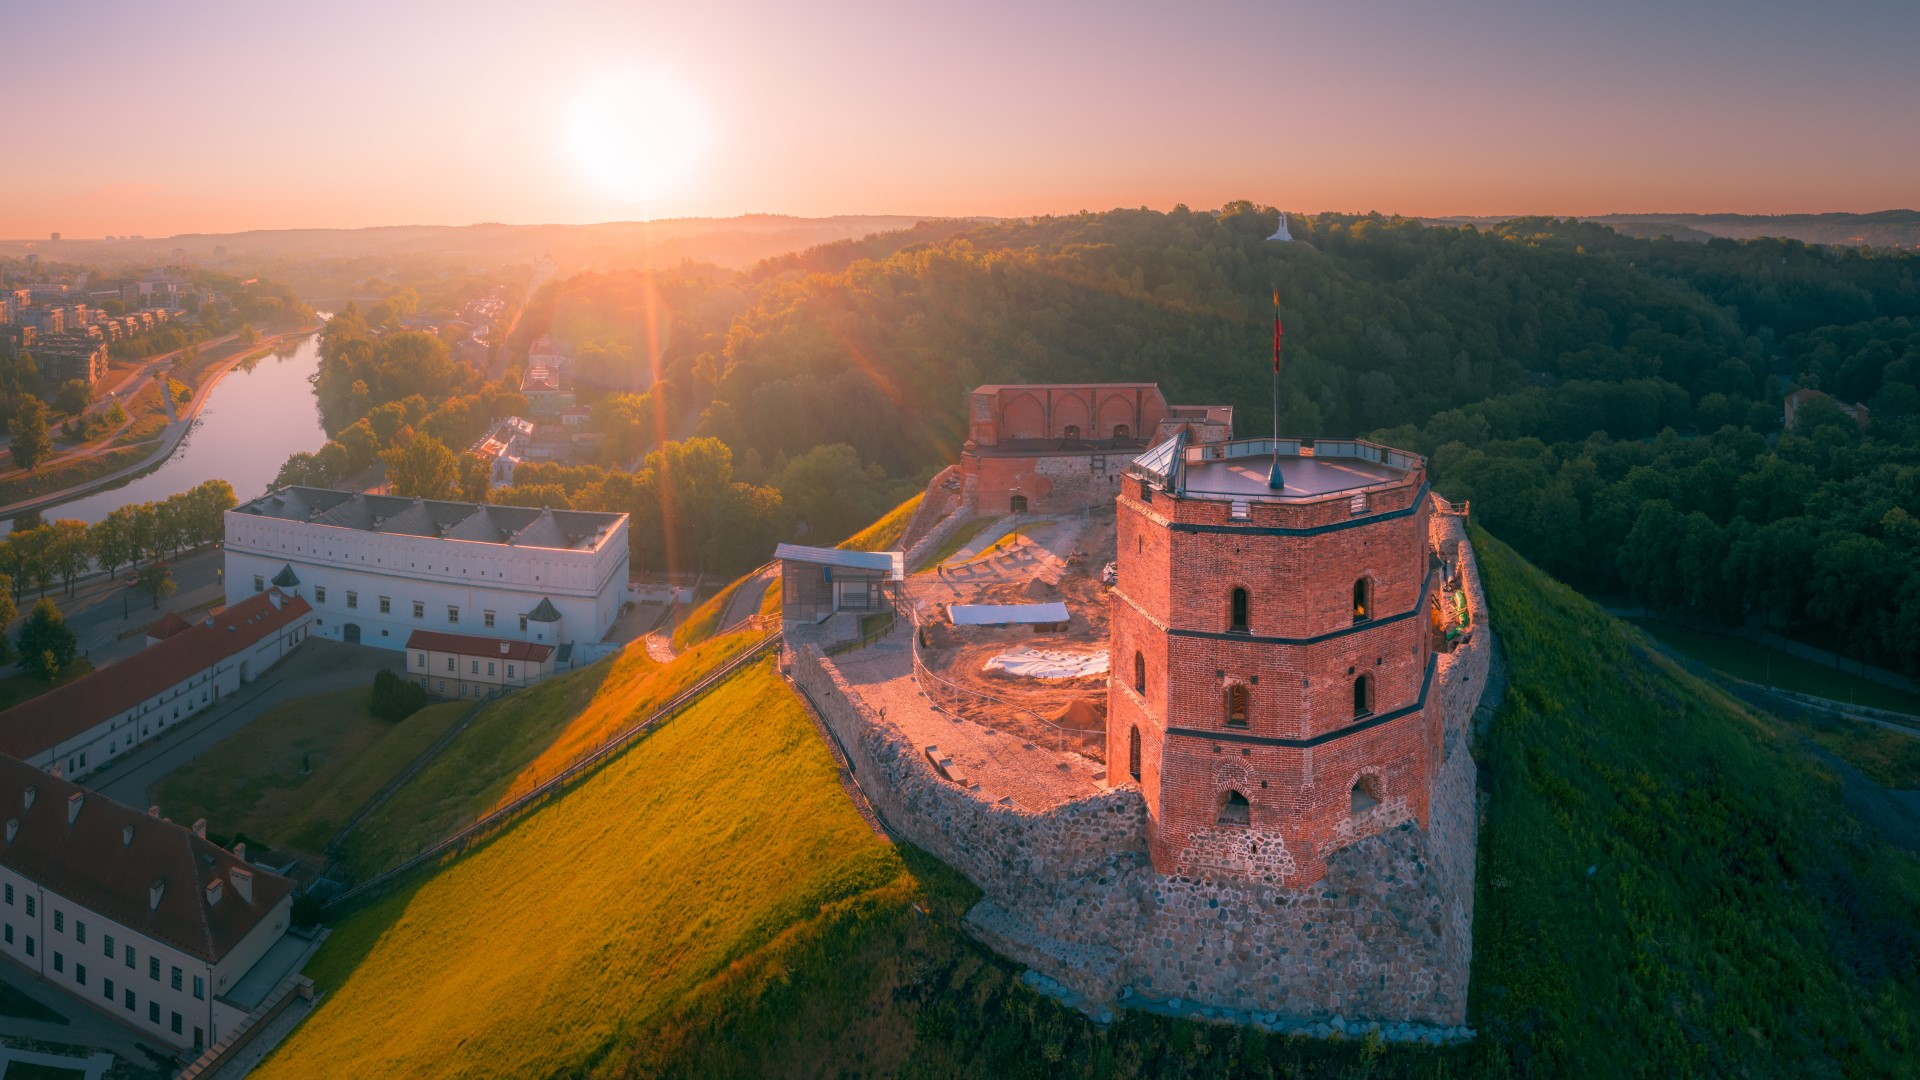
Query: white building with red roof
[[149, 922], [75, 729], [465, 666]]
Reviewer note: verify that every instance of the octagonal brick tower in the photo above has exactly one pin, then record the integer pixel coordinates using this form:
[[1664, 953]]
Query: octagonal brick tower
[[1272, 687]]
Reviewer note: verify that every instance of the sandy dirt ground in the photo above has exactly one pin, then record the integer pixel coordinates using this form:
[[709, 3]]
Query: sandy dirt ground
[[1058, 559]]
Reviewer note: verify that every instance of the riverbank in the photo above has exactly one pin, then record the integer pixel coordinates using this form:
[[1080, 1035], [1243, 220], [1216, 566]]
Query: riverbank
[[91, 469]]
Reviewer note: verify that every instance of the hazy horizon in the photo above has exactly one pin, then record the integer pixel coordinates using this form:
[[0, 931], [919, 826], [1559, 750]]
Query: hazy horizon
[[241, 118]]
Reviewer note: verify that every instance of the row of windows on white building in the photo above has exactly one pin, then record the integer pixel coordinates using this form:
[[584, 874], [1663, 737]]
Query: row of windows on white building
[[127, 952], [488, 619]]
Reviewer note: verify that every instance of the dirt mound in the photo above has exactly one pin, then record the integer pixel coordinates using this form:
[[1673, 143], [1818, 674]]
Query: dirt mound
[[1085, 714], [1038, 589]]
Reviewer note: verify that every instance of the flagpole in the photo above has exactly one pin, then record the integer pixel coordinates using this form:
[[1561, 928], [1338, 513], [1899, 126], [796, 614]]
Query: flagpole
[[1276, 482]]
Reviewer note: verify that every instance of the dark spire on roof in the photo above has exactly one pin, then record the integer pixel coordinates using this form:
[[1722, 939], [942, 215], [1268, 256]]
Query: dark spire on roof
[[546, 612], [286, 578]]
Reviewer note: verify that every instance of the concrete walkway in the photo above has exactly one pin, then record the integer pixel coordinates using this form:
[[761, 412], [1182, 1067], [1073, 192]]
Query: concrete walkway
[[986, 538], [745, 602]]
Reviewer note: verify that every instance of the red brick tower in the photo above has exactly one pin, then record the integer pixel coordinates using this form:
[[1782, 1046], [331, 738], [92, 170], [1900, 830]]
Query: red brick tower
[[1273, 671]]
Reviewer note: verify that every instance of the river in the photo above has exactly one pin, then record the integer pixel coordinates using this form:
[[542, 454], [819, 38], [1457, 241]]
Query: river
[[251, 424]]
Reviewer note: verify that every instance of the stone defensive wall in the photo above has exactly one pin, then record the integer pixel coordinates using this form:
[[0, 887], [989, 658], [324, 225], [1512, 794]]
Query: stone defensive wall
[[1383, 942]]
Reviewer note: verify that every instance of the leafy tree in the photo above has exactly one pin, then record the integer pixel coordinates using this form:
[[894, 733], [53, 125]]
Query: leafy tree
[[70, 549], [73, 397], [112, 541], [422, 467], [46, 640], [394, 698], [31, 442], [832, 493], [156, 582]]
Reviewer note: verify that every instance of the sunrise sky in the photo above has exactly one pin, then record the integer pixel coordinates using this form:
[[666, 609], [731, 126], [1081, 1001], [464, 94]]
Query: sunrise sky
[[230, 116]]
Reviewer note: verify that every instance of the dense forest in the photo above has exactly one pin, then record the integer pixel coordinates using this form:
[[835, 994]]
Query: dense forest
[[1610, 405]]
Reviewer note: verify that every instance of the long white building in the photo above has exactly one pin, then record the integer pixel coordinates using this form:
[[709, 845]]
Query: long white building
[[147, 921], [378, 567], [83, 726]]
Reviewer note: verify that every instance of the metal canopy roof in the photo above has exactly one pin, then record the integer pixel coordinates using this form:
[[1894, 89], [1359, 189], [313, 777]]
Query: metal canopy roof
[[891, 563], [998, 614]]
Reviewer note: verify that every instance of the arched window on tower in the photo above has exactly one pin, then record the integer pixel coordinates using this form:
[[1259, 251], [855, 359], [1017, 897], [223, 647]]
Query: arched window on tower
[[1362, 696], [1072, 432], [1133, 752], [1121, 432], [1366, 794], [1139, 673], [1237, 705], [1237, 613], [1234, 810], [1362, 600]]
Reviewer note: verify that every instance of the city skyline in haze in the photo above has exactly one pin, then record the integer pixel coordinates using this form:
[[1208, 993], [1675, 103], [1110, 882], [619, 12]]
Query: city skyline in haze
[[228, 117]]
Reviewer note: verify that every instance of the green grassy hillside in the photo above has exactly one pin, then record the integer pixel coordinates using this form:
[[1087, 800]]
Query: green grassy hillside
[[522, 739], [1668, 888], [548, 951], [253, 784]]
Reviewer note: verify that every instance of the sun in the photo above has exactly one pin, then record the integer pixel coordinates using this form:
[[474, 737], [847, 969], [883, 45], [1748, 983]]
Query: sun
[[637, 134]]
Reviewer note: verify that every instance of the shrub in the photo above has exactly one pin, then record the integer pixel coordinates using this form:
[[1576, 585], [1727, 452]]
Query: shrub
[[394, 698]]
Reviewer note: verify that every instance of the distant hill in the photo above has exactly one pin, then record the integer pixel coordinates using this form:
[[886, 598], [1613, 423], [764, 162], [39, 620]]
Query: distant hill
[[734, 243], [1886, 228]]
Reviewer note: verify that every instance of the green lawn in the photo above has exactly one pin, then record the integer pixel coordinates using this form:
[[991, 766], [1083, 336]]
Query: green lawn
[[251, 783], [1757, 663], [520, 740], [548, 951], [885, 534]]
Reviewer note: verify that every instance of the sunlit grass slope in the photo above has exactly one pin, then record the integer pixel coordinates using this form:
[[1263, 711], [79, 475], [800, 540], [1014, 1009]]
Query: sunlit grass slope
[[548, 951], [523, 738], [1737, 921], [885, 534], [253, 782]]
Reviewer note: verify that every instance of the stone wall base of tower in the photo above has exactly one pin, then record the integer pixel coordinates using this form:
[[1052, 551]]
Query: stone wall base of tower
[[1383, 942]]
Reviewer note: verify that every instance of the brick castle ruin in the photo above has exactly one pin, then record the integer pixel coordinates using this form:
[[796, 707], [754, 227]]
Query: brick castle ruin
[[1275, 821]]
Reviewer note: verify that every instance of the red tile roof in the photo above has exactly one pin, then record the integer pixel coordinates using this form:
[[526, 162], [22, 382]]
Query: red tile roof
[[167, 625], [71, 710], [94, 863], [469, 645]]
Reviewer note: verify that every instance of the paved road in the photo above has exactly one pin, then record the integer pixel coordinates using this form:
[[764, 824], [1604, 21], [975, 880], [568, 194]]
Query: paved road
[[316, 667], [106, 615], [745, 602]]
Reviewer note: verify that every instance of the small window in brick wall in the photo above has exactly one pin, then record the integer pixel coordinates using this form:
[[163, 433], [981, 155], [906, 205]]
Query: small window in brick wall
[[1366, 794], [1237, 705], [1139, 673], [1235, 810], [1362, 600], [1133, 752], [1237, 613], [1362, 696]]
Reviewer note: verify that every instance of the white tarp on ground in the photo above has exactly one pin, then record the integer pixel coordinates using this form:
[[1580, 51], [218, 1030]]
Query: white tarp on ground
[[1042, 664], [1004, 614]]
